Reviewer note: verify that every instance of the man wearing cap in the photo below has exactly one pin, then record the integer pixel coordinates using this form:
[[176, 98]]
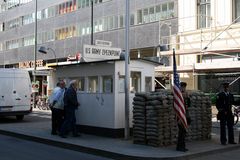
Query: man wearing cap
[[224, 105]]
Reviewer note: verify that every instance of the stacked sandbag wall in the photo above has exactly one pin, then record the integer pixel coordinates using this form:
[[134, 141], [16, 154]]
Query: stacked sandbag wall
[[154, 120]]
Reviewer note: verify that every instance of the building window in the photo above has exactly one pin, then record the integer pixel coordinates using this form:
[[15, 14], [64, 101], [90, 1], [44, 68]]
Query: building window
[[152, 14], [110, 22], [132, 19], [148, 84], [121, 21], [62, 33], [93, 84], [27, 19], [1, 46], [28, 41], [158, 12], [145, 15], [204, 13], [139, 17], [135, 82], [81, 84], [107, 84], [236, 10]]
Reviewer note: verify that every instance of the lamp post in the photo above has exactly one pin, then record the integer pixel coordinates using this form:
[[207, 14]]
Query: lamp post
[[45, 50], [126, 130], [91, 22], [35, 54]]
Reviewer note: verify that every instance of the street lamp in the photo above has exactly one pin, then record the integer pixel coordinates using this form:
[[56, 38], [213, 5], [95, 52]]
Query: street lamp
[[127, 19], [91, 22], [35, 54], [45, 50]]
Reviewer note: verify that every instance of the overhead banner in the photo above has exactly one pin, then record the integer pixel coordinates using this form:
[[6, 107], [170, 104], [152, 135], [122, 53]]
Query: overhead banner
[[98, 53]]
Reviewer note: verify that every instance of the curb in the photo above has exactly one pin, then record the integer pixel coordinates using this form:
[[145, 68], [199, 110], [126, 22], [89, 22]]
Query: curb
[[109, 154]]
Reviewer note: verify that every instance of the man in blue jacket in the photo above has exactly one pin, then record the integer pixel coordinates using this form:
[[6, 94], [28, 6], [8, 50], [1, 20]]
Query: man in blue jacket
[[70, 105]]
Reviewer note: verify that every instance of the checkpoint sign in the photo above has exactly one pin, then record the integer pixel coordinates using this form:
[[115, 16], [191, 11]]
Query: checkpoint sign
[[35, 86]]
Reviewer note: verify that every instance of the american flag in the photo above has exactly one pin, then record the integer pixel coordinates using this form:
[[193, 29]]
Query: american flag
[[177, 95]]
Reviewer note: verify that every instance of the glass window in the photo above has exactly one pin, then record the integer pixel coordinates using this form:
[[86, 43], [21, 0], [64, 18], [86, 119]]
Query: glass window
[[88, 3], [132, 19], [158, 12], [2, 27], [115, 22], [171, 9], [121, 82], [1, 46], [164, 11], [121, 21], [237, 10], [39, 15], [81, 84], [135, 82], [139, 17], [105, 24], [79, 30], [110, 22], [93, 84], [100, 25], [95, 26], [148, 84], [152, 14], [45, 13], [145, 15], [88, 28], [204, 9], [27, 41], [83, 3], [79, 3], [107, 84]]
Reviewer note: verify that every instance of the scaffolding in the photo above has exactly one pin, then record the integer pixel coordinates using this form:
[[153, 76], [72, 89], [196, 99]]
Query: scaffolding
[[213, 42]]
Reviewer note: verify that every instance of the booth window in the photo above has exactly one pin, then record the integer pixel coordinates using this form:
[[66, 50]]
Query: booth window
[[107, 84], [81, 82], [93, 84], [135, 82], [148, 84]]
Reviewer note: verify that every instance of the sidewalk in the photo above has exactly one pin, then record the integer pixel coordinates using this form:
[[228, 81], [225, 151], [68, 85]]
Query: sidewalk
[[39, 131]]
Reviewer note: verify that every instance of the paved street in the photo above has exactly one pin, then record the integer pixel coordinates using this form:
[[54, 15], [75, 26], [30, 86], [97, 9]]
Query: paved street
[[13, 148], [230, 155], [38, 123]]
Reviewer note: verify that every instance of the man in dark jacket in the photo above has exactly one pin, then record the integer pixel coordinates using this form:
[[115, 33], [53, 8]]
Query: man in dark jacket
[[224, 105], [70, 105], [181, 146]]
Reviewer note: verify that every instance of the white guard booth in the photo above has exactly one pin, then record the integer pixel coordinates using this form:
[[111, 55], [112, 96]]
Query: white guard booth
[[101, 92]]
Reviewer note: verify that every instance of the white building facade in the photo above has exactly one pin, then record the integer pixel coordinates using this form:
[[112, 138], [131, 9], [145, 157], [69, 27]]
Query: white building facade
[[208, 44]]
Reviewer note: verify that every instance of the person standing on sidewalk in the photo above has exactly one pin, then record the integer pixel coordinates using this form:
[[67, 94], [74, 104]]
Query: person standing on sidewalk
[[181, 146], [50, 102], [70, 106], [58, 108], [224, 106]]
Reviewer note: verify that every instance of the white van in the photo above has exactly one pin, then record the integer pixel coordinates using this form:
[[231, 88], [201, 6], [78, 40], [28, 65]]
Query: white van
[[15, 92]]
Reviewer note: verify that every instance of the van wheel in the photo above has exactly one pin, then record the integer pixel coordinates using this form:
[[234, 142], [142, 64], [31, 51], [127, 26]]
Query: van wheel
[[20, 117]]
